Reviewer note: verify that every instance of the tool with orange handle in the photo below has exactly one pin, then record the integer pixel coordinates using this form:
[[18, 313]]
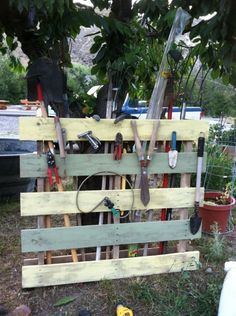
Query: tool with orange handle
[[51, 147]]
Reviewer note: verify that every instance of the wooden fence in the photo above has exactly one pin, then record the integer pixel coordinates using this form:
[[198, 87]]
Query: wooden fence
[[44, 238]]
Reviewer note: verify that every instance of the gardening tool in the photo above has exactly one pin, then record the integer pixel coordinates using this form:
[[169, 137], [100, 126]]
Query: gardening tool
[[195, 219], [109, 204], [94, 141], [123, 182], [173, 153], [52, 168], [50, 145], [121, 117], [104, 178], [123, 311], [145, 196], [61, 137], [118, 147]]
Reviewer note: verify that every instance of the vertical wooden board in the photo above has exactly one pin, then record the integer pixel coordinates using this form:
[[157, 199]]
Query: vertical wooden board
[[43, 129], [40, 188], [65, 202], [87, 164], [33, 240], [185, 181], [69, 273]]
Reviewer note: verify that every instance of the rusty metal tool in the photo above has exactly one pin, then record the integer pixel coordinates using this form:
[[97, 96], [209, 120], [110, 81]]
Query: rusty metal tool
[[94, 141], [144, 162], [118, 147]]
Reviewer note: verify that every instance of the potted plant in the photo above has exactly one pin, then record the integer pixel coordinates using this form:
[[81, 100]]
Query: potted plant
[[216, 209]]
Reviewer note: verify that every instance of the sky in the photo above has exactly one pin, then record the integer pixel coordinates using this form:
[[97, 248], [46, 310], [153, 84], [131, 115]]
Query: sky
[[88, 2]]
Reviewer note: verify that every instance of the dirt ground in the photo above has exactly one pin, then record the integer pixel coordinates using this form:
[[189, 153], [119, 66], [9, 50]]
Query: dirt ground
[[165, 295]]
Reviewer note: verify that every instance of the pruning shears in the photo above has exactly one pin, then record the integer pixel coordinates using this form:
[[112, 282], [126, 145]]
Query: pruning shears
[[118, 147], [144, 162], [52, 168]]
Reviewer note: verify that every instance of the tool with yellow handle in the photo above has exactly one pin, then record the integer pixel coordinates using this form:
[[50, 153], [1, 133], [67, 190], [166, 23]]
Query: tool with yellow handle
[[123, 311]]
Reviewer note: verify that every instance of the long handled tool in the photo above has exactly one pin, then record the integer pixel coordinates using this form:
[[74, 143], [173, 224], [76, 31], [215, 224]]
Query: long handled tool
[[104, 178], [59, 183], [195, 219], [145, 196]]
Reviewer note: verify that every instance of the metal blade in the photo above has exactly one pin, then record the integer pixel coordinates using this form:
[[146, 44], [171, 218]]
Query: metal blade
[[145, 196], [172, 158]]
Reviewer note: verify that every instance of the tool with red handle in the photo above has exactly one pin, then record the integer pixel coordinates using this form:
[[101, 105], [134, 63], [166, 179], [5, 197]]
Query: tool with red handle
[[118, 147], [52, 168]]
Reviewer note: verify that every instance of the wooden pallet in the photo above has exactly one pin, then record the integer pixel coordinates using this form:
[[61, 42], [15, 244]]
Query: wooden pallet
[[41, 239]]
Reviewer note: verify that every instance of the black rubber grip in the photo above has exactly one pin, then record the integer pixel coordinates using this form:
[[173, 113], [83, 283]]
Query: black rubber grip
[[200, 146]]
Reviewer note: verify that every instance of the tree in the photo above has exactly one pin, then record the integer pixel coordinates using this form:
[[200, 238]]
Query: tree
[[12, 84], [130, 42]]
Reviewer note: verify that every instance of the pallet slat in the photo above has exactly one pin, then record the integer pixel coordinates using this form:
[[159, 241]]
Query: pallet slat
[[32, 128], [49, 203], [33, 165], [59, 238], [69, 273]]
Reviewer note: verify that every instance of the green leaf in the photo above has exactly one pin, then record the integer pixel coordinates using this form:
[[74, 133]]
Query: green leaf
[[95, 69], [65, 300], [60, 7], [9, 40], [225, 79], [215, 73], [100, 54]]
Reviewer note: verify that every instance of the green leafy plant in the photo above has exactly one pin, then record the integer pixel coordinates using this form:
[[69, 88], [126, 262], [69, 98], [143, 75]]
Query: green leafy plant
[[12, 83], [219, 168], [216, 245]]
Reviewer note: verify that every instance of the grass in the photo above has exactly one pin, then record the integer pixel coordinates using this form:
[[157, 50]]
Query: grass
[[194, 293]]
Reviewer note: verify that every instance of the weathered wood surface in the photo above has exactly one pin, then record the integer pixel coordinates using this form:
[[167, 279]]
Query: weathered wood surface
[[49, 203], [91, 256], [185, 181], [34, 240], [69, 273], [31, 128], [33, 165]]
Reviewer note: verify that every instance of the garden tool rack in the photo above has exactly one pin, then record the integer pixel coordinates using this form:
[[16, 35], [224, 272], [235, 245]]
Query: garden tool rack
[[45, 239]]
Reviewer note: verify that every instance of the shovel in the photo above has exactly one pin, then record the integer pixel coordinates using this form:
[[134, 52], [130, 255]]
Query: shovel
[[195, 219], [173, 153]]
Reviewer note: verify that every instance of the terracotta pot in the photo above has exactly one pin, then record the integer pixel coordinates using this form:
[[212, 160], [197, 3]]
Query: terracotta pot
[[215, 213]]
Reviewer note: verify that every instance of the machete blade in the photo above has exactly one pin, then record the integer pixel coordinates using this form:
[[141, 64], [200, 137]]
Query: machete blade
[[145, 196]]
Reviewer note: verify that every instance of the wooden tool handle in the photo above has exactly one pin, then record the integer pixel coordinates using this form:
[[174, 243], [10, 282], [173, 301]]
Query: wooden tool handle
[[59, 185], [60, 137], [138, 145], [156, 125]]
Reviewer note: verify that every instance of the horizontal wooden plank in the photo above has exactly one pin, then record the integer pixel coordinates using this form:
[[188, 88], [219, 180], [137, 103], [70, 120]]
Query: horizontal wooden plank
[[49, 203], [34, 165], [91, 256], [59, 238], [69, 273], [33, 128]]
